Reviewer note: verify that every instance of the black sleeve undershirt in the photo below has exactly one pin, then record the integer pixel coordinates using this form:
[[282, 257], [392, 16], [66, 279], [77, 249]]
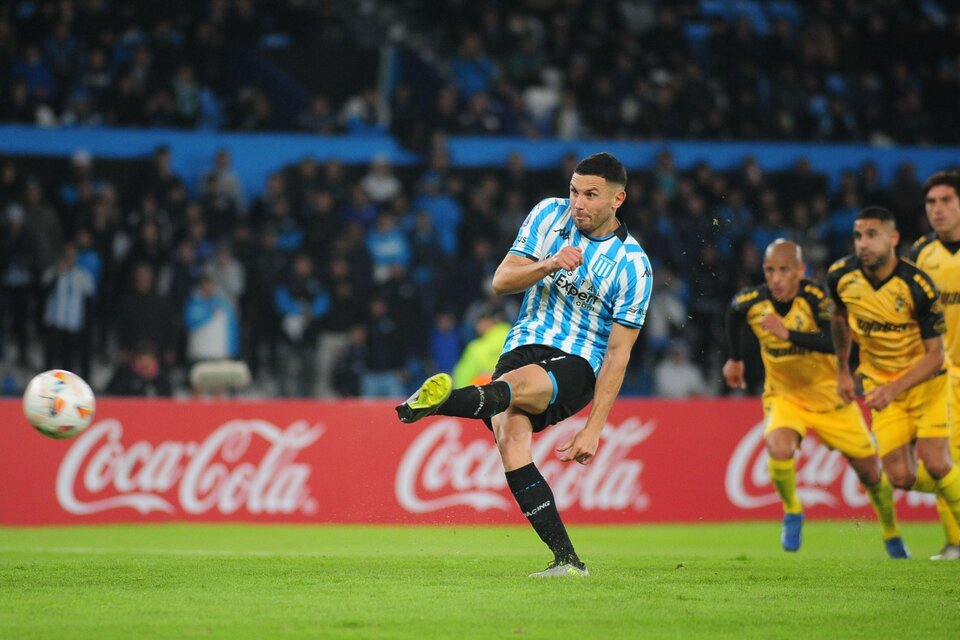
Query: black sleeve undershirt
[[735, 321], [820, 341]]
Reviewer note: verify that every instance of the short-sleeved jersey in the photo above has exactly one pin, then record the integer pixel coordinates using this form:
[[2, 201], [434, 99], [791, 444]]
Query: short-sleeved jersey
[[941, 261], [804, 376], [889, 321], [575, 310]]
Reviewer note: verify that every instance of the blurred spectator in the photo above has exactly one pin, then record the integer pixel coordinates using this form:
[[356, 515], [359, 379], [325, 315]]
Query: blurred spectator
[[144, 316], [222, 183], [17, 268], [301, 302], [211, 324], [386, 356], [319, 118], [350, 364], [365, 112], [42, 225], [144, 375], [675, 376], [480, 356], [388, 247], [380, 184], [444, 342], [227, 273], [65, 319]]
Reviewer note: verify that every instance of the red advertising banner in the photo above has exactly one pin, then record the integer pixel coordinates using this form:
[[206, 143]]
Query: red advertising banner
[[353, 462]]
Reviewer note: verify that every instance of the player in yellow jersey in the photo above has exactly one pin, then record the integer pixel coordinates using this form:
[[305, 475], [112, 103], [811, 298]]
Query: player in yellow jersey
[[791, 318], [892, 309], [938, 254]]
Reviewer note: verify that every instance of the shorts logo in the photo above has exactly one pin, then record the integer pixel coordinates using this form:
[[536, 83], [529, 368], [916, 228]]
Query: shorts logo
[[603, 266]]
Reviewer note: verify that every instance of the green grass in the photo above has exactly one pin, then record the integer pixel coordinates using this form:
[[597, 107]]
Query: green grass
[[257, 581]]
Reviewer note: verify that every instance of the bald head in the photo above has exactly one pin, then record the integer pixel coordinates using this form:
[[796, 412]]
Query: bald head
[[784, 249], [783, 268]]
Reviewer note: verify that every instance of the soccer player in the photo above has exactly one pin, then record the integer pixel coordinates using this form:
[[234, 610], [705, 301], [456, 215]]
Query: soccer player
[[893, 310], [587, 283], [791, 318], [938, 254]]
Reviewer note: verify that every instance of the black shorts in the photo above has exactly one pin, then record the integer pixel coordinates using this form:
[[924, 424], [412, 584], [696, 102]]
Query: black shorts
[[573, 381]]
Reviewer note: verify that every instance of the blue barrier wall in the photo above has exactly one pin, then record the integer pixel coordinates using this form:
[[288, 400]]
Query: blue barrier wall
[[257, 154]]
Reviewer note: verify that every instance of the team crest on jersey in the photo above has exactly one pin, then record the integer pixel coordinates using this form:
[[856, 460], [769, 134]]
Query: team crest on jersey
[[603, 266], [899, 304]]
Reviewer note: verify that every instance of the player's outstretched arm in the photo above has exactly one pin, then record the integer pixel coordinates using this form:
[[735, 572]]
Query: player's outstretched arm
[[842, 341], [517, 273], [733, 367], [929, 364], [583, 446]]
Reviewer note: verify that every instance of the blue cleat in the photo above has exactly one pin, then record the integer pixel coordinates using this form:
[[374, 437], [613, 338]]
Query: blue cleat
[[790, 535], [896, 549]]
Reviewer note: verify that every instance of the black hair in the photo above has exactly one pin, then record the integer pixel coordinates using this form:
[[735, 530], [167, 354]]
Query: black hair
[[604, 165], [948, 178], [877, 213]]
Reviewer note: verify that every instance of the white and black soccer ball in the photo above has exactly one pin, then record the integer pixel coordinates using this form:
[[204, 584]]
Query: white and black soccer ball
[[58, 403]]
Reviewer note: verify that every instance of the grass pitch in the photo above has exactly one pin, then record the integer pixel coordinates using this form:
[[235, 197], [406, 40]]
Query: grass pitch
[[681, 581]]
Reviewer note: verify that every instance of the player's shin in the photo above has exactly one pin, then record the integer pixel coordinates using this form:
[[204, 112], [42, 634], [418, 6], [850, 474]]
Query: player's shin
[[783, 475], [537, 503], [948, 487], [881, 497], [478, 401], [950, 527], [925, 482]]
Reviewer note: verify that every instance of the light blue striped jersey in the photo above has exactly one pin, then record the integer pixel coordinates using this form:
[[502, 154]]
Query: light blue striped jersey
[[574, 310]]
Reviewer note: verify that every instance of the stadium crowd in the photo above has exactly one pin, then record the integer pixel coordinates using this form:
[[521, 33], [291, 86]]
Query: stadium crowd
[[877, 71], [145, 279], [175, 279]]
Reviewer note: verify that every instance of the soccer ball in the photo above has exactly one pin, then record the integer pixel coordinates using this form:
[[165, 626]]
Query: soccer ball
[[59, 404]]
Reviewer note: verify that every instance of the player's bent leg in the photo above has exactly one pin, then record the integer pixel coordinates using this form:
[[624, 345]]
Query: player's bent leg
[[899, 466], [532, 388], [781, 444], [529, 388], [935, 455], [880, 492], [514, 434]]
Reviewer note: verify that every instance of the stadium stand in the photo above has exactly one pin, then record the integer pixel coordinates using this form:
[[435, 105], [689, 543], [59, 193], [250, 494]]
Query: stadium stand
[[125, 165]]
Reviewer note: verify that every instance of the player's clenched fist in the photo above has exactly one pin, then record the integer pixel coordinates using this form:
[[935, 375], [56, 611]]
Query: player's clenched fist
[[568, 258]]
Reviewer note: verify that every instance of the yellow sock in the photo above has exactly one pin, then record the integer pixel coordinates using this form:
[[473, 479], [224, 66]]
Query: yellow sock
[[948, 487], [925, 481], [950, 528], [881, 497], [784, 478]]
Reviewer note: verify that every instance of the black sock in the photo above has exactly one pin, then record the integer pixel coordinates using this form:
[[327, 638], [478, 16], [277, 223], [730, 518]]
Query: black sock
[[477, 402], [537, 503]]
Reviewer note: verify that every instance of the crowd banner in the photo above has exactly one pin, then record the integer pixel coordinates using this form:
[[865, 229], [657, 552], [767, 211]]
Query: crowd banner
[[353, 462]]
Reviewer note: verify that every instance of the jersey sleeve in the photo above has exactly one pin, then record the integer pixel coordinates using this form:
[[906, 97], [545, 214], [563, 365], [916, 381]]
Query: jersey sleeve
[[736, 320], [532, 235], [833, 281], [821, 307], [926, 300], [635, 283], [917, 248]]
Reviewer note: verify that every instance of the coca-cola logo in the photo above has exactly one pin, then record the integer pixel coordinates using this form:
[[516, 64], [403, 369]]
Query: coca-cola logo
[[823, 476], [439, 470], [100, 472]]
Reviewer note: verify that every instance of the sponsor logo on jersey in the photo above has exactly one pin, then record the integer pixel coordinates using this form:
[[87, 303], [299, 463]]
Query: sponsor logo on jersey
[[872, 326], [584, 295]]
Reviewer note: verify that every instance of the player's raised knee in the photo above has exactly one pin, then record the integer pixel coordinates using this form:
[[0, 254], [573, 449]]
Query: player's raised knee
[[902, 479]]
